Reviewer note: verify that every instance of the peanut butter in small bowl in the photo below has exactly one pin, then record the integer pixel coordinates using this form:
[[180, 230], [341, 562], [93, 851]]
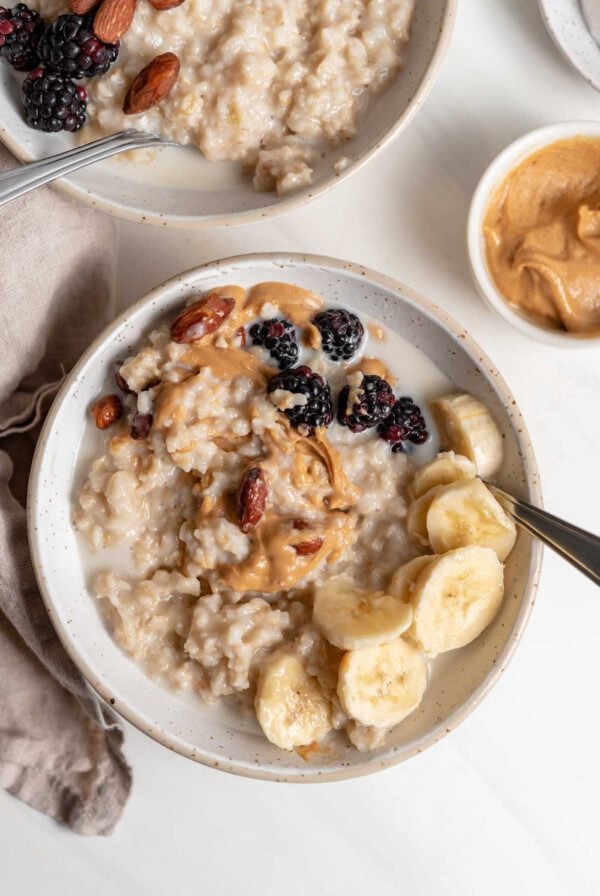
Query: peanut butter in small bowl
[[541, 231]]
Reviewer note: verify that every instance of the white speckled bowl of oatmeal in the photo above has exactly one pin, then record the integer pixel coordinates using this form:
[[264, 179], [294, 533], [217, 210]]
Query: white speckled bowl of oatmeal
[[181, 552], [283, 100]]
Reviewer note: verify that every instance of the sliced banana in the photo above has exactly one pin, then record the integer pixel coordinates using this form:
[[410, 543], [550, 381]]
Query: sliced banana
[[456, 598], [416, 517], [466, 513], [404, 579], [290, 705], [352, 619], [468, 428], [447, 467], [380, 686]]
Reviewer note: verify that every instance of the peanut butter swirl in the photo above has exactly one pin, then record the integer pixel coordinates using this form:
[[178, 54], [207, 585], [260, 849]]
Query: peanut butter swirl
[[542, 237]]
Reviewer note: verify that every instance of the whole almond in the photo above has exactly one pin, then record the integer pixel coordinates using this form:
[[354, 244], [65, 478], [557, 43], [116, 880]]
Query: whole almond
[[113, 19], [251, 499], [152, 84], [81, 7], [305, 548], [120, 380], [200, 318], [140, 426], [165, 4], [106, 411]]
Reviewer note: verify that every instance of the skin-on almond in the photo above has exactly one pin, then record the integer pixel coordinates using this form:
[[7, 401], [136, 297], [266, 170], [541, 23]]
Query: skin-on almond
[[106, 411], [152, 84], [113, 19], [251, 499], [140, 426], [306, 548], [81, 7], [165, 4], [200, 318]]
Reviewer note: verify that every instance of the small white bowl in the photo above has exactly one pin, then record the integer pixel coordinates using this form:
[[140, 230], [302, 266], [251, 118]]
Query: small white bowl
[[502, 165], [216, 735]]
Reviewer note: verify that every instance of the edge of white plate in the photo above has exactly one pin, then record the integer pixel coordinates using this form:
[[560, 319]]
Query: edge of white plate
[[532, 478], [188, 222], [562, 47]]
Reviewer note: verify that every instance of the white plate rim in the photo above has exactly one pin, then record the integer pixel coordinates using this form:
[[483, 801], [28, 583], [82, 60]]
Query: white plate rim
[[194, 222], [439, 730], [561, 46]]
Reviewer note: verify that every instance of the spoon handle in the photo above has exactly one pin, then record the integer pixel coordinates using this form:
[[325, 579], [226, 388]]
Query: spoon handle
[[21, 180], [580, 548]]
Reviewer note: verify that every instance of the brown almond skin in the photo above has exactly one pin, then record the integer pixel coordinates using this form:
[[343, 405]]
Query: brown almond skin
[[113, 19], [106, 411], [152, 84], [251, 499], [140, 426], [165, 4], [200, 318], [306, 548], [81, 7]]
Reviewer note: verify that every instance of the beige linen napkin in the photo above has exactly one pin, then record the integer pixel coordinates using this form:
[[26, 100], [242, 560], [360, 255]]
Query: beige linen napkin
[[60, 746]]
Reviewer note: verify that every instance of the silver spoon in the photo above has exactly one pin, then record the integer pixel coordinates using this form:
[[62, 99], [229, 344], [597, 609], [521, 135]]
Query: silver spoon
[[580, 548], [21, 180]]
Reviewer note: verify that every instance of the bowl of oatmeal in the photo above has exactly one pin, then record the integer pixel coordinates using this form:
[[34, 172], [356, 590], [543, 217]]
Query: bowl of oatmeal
[[275, 102], [259, 522]]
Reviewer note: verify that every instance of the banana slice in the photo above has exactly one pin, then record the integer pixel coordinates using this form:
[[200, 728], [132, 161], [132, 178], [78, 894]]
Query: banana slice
[[416, 517], [447, 467], [352, 619], [380, 686], [468, 428], [456, 598], [466, 513], [290, 706], [404, 579]]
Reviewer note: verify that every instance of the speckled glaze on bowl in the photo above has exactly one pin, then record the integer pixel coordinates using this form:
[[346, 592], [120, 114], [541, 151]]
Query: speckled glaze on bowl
[[568, 29], [185, 190], [214, 735]]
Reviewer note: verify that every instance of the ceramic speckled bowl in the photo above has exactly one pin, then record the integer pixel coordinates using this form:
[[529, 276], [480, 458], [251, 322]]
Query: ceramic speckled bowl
[[568, 29], [214, 735], [182, 189]]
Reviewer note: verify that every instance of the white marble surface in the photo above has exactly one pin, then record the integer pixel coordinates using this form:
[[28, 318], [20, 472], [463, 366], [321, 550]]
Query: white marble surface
[[509, 802]]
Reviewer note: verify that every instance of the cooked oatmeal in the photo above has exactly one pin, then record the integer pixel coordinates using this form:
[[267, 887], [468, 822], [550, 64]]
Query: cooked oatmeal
[[254, 519], [268, 83]]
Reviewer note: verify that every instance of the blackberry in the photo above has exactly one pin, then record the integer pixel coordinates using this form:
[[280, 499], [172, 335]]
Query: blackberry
[[278, 337], [405, 424], [53, 102], [20, 32], [341, 333], [366, 403], [70, 47], [318, 410]]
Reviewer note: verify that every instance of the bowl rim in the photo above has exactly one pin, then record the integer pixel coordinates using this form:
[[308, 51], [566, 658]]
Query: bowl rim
[[561, 45], [516, 152], [532, 478], [294, 201]]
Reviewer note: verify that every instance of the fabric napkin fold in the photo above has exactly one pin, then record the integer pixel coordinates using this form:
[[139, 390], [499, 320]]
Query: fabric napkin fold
[[60, 745]]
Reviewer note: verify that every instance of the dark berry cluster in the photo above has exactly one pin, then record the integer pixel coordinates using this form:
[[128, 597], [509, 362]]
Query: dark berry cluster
[[278, 337], [66, 49], [310, 414], [53, 102], [367, 405], [405, 424], [20, 32], [341, 333], [70, 47]]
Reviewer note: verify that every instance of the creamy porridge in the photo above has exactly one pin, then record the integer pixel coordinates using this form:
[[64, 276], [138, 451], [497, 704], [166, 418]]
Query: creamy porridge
[[269, 83], [276, 492]]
